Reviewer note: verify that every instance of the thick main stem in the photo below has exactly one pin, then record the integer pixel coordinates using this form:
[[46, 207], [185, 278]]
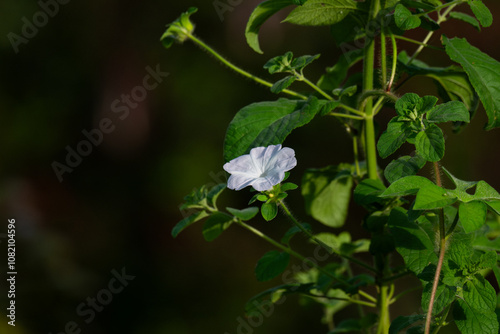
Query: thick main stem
[[368, 72]]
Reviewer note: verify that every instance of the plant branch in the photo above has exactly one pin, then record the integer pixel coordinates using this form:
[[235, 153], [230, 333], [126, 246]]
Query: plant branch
[[239, 70]]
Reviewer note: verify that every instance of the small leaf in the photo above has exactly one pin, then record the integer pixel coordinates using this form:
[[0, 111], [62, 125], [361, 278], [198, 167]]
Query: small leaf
[[482, 71], [321, 12], [288, 186], [403, 166], [481, 12], [453, 111], [271, 265], [260, 15], [466, 18], [269, 210], [301, 62], [188, 221], [396, 134], [408, 185], [433, 197], [245, 214], [215, 225], [279, 64], [430, 143], [405, 19], [264, 300], [282, 84], [472, 215]]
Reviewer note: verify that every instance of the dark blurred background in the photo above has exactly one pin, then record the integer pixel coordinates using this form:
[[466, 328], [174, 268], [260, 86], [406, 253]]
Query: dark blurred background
[[112, 212]]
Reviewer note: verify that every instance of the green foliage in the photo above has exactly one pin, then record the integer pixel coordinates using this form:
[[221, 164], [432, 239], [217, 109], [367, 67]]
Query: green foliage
[[447, 238], [327, 194], [405, 19], [179, 30], [321, 12], [267, 123], [482, 70], [271, 265], [260, 15]]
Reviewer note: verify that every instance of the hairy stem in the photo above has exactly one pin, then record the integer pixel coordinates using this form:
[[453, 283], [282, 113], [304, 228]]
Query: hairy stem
[[442, 251]]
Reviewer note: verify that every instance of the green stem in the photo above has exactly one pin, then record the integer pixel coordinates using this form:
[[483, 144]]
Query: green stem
[[239, 70], [354, 111], [383, 306], [356, 155], [383, 59], [394, 61], [395, 298], [453, 3], [313, 86], [350, 300], [319, 242], [336, 114], [411, 40], [441, 19]]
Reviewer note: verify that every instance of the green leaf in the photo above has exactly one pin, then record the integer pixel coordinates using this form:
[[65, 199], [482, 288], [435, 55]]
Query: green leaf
[[214, 193], [433, 197], [279, 64], [271, 265], [321, 12], [301, 62], [269, 210], [484, 192], [215, 225], [494, 206], [472, 215], [481, 12], [430, 143], [368, 192], [292, 231], [396, 134], [482, 71], [327, 194], [475, 311], [417, 4], [288, 186], [245, 214], [402, 322], [282, 84], [260, 15], [336, 74], [188, 221], [452, 82], [266, 123], [408, 185], [403, 166], [453, 111], [179, 30], [405, 19], [466, 18], [412, 242]]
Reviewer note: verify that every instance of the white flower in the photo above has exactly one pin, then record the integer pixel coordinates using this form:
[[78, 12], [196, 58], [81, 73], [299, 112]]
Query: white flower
[[262, 169]]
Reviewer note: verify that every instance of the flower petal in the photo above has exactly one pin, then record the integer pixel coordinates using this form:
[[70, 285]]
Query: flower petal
[[242, 164], [285, 159], [269, 181], [239, 181], [261, 156]]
